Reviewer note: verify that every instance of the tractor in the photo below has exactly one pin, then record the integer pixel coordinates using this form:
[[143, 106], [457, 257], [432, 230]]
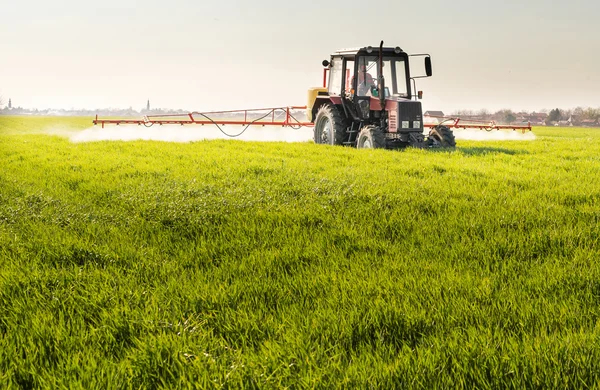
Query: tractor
[[368, 101]]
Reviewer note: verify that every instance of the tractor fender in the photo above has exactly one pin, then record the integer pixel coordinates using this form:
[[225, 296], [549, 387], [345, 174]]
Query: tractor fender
[[316, 98], [312, 115]]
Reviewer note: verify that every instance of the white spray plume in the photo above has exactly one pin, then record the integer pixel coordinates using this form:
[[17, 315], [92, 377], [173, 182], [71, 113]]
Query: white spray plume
[[494, 135], [177, 133]]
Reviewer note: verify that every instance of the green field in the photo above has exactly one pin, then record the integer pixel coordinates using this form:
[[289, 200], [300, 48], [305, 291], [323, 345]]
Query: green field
[[228, 264]]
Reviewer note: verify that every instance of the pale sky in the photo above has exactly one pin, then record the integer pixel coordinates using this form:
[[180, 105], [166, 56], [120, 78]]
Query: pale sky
[[202, 55]]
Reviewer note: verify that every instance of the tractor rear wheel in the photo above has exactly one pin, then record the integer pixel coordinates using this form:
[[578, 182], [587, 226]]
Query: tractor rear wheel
[[441, 136], [329, 126], [370, 137]]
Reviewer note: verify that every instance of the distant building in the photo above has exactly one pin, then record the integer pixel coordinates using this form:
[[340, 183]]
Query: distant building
[[9, 104], [148, 105], [589, 123], [538, 118], [564, 123], [522, 117], [432, 117]]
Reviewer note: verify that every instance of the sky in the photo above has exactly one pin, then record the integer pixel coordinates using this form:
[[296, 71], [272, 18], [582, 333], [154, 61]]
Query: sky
[[206, 55]]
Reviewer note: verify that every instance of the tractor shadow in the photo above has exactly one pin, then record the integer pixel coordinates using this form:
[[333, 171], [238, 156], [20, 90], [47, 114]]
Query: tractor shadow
[[483, 150], [480, 151]]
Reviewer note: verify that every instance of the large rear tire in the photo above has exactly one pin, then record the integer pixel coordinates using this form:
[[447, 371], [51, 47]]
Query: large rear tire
[[370, 137], [441, 137], [330, 128]]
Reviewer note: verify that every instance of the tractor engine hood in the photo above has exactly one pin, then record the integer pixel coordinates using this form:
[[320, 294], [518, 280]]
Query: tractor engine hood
[[376, 104], [404, 115]]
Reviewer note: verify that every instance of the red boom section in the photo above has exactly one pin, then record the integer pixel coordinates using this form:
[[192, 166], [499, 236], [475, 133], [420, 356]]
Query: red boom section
[[279, 116], [455, 123]]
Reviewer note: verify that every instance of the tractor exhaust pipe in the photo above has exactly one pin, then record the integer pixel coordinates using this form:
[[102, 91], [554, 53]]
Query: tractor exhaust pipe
[[381, 86]]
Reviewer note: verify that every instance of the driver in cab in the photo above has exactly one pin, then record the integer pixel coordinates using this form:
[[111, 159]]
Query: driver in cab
[[365, 81]]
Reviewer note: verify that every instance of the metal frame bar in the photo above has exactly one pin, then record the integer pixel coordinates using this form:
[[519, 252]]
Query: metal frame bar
[[192, 118]]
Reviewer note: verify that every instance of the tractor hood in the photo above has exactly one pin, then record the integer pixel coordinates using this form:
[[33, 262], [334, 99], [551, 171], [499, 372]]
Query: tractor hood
[[390, 101], [403, 114]]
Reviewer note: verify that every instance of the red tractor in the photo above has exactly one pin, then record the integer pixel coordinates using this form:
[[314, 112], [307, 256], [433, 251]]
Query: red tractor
[[368, 102]]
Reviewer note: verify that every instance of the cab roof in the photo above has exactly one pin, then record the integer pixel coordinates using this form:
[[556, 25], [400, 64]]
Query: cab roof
[[365, 50]]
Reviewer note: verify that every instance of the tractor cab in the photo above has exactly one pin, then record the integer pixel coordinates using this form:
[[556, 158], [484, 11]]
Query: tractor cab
[[355, 73], [367, 100]]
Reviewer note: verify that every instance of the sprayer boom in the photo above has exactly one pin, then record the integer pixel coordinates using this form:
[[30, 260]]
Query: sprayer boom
[[279, 116], [458, 123]]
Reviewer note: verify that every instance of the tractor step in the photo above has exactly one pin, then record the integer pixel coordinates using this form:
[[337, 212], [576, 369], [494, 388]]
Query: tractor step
[[352, 134]]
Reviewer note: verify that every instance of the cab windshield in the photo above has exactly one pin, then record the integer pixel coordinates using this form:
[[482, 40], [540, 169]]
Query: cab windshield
[[394, 71]]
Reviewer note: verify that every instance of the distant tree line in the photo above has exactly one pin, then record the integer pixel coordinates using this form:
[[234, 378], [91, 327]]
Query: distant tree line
[[577, 116], [120, 112], [580, 116]]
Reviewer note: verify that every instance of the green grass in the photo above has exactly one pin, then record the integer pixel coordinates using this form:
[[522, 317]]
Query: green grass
[[267, 265]]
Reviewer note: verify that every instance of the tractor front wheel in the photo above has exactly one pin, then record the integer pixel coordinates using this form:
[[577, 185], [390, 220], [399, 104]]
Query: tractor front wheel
[[441, 136], [329, 126], [370, 137]]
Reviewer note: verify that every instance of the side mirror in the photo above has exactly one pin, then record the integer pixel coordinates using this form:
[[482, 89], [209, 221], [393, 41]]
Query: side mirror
[[325, 63], [428, 70]]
